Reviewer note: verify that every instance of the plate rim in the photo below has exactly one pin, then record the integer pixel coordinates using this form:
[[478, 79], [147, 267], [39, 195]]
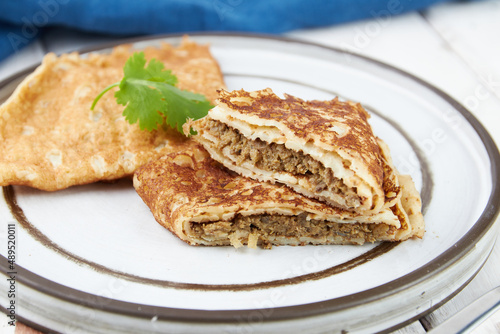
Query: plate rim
[[482, 225]]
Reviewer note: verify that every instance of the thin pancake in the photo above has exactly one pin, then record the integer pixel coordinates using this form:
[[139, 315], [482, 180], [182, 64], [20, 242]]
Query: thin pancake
[[203, 203], [49, 138], [322, 149]]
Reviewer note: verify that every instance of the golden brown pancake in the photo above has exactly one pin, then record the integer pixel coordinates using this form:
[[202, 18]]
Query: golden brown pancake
[[49, 137], [203, 203], [322, 149]]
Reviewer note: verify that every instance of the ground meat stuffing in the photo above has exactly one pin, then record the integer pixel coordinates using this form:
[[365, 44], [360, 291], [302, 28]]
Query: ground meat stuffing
[[277, 158], [265, 226]]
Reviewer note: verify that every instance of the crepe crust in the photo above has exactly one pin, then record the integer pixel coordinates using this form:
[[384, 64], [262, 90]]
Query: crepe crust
[[188, 189], [49, 137], [333, 132]]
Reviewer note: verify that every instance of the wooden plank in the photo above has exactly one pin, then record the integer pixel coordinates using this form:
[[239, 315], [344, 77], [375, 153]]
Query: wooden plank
[[413, 328]]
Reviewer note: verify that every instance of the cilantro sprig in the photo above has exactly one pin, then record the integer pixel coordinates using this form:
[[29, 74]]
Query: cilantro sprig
[[150, 96]]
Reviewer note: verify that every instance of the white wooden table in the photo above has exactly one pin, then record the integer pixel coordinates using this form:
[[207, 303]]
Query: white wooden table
[[454, 46]]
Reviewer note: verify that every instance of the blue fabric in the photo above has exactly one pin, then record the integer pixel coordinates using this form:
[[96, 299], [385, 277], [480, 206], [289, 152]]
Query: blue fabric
[[22, 21]]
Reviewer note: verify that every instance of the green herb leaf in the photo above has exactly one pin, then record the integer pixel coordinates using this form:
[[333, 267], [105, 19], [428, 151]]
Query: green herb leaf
[[150, 96]]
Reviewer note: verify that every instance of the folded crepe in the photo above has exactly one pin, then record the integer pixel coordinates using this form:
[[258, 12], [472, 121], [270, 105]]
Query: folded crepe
[[49, 137], [321, 149], [203, 203]]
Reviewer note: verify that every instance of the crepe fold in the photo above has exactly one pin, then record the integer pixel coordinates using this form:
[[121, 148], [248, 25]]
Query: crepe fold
[[49, 137], [203, 203], [321, 149]]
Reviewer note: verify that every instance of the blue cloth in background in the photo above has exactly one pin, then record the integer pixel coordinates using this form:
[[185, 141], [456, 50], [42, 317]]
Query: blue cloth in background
[[22, 21]]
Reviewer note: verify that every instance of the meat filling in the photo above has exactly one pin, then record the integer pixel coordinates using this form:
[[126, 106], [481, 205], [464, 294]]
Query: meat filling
[[277, 158], [267, 227]]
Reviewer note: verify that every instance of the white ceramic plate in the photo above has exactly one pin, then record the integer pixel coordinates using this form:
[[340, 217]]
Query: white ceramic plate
[[93, 259]]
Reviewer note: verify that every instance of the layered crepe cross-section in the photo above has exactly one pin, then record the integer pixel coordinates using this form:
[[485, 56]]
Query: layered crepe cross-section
[[203, 203], [49, 137], [321, 149]]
